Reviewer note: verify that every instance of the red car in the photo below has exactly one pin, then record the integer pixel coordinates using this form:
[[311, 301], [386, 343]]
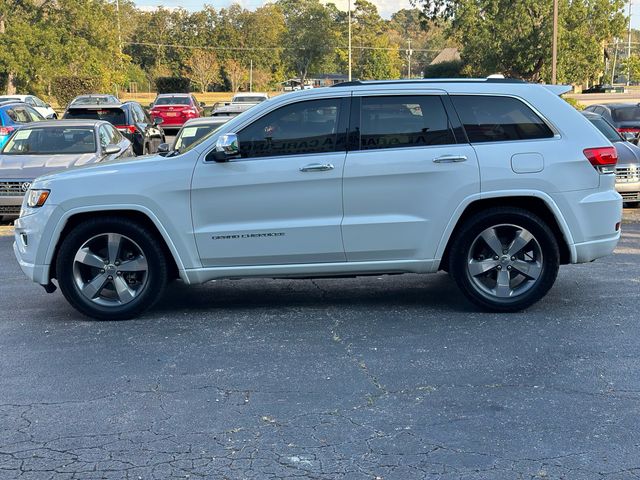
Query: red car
[[175, 108]]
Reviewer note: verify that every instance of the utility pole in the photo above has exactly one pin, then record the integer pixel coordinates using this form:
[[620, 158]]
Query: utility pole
[[251, 75], [629, 49], [349, 40], [554, 50], [119, 29], [409, 53]]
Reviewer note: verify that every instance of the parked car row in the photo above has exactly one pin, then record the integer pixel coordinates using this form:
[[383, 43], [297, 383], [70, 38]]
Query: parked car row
[[94, 128]]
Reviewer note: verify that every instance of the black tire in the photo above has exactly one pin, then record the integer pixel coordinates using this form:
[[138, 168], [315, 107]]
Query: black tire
[[503, 218], [156, 273]]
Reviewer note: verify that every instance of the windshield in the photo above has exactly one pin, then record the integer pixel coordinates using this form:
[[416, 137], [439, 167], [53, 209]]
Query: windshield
[[51, 140], [247, 99], [626, 114], [94, 100], [172, 101], [608, 131], [189, 135], [114, 116]]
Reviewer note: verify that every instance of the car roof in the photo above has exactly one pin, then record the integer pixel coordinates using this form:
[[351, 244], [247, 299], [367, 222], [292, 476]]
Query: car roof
[[98, 106], [174, 95], [68, 123], [616, 105], [207, 121], [591, 114], [21, 97], [250, 94], [5, 103]]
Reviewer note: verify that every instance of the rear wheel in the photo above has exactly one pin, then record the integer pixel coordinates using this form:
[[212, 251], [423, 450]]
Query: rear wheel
[[111, 269], [504, 259]]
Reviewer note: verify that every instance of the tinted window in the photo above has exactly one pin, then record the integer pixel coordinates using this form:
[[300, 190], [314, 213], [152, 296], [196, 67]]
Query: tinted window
[[299, 128], [399, 121], [115, 116], [496, 119], [51, 140], [247, 99], [626, 114], [172, 101], [608, 131]]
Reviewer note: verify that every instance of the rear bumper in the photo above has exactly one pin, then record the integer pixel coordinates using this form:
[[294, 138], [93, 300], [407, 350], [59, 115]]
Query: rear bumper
[[589, 251], [630, 192]]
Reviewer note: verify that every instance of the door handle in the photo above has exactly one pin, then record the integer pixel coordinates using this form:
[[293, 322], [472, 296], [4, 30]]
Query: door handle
[[450, 159], [317, 167]]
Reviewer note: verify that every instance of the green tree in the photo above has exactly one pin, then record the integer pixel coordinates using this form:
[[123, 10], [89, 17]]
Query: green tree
[[310, 37], [514, 37]]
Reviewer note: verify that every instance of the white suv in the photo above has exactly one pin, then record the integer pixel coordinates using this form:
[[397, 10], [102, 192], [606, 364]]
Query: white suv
[[497, 182]]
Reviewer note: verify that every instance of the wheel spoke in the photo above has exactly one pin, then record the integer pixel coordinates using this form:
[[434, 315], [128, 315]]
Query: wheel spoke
[[86, 257], [503, 286], [528, 269], [113, 244], [522, 239], [95, 286], [138, 264], [125, 294], [491, 239], [478, 267]]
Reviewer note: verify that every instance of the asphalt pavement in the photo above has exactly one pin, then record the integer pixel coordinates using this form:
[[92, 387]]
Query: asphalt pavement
[[392, 377]]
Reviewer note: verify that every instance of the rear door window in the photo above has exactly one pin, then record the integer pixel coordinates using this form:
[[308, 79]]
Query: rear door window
[[114, 116], [403, 121], [488, 118]]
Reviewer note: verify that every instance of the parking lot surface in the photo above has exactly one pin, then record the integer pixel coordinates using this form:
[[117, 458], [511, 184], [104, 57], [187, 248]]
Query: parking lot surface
[[393, 377]]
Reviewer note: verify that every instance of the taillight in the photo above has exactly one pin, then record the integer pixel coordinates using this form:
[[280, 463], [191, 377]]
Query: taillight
[[635, 130], [603, 159], [127, 128], [4, 131]]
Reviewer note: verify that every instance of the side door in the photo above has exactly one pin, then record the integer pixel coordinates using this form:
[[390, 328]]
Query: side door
[[281, 201], [407, 170]]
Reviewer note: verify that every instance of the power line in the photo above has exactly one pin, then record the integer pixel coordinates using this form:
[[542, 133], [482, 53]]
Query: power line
[[217, 47]]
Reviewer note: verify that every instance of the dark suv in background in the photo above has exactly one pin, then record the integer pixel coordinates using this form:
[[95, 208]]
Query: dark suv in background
[[129, 118], [625, 117]]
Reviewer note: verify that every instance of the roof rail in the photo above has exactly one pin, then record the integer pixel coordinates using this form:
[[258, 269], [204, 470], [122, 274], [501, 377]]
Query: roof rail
[[356, 83]]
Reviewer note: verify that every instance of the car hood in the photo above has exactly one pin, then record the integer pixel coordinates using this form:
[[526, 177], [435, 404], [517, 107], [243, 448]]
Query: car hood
[[628, 153], [101, 168], [31, 166]]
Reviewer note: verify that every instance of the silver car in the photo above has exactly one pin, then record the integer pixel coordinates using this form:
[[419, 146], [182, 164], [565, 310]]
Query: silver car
[[192, 131], [628, 167], [49, 146]]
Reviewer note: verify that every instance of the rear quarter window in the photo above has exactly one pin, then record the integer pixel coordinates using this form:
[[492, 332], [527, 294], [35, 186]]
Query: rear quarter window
[[489, 118]]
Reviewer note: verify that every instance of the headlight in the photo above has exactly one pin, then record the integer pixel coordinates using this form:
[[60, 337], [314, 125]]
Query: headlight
[[36, 198]]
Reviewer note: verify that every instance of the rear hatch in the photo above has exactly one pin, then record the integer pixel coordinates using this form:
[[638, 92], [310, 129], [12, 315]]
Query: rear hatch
[[174, 113]]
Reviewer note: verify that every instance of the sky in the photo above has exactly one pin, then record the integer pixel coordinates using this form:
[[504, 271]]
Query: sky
[[385, 7]]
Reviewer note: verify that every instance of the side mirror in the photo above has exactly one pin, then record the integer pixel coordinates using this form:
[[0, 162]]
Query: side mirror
[[51, 116], [164, 148], [48, 105], [227, 147], [202, 104], [629, 136], [151, 105], [157, 120], [112, 149]]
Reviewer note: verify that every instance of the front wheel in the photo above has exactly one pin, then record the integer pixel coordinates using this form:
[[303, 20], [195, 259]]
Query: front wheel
[[111, 269], [504, 259]]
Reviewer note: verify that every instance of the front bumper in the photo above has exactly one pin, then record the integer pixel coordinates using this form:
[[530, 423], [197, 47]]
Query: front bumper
[[32, 234], [10, 206]]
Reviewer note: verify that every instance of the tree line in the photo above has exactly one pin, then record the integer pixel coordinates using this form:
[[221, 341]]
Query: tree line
[[218, 49]]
